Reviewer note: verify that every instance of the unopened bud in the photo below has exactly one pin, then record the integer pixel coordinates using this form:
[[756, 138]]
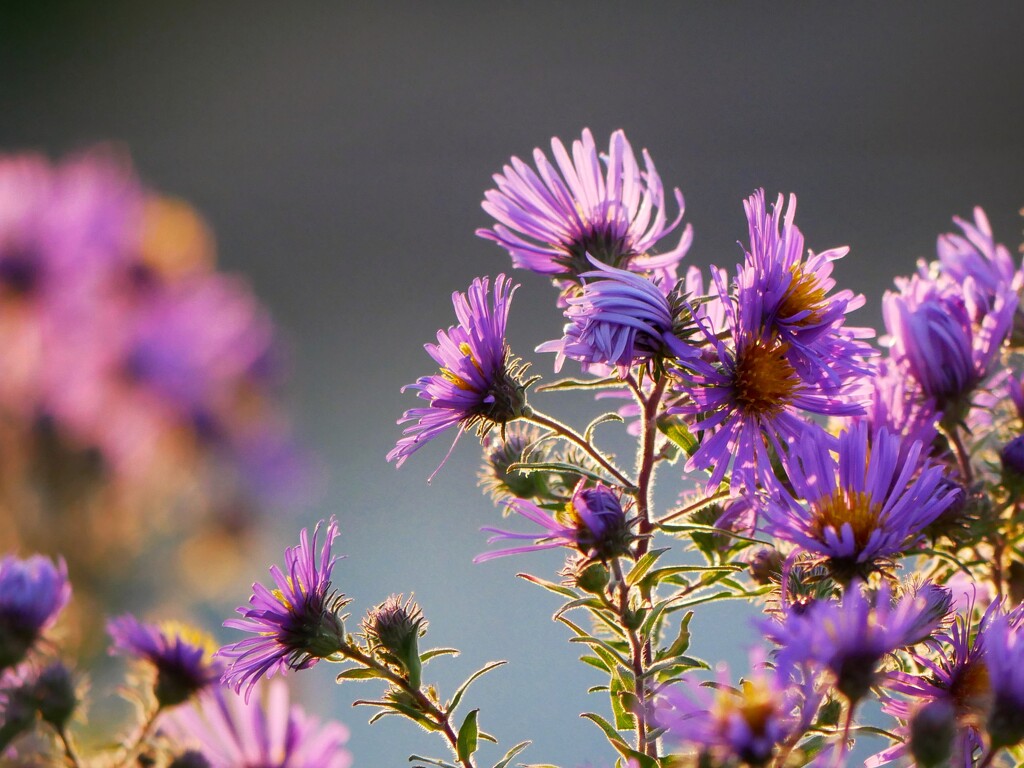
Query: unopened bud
[[55, 696], [394, 629], [190, 759], [593, 578], [932, 730], [765, 565]]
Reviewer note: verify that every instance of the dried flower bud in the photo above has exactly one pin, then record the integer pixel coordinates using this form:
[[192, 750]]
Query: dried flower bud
[[765, 565]]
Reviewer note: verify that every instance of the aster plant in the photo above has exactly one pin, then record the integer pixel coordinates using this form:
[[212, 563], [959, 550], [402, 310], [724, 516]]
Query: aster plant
[[862, 495]]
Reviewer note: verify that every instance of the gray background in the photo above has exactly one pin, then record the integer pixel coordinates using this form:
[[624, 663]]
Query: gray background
[[340, 152]]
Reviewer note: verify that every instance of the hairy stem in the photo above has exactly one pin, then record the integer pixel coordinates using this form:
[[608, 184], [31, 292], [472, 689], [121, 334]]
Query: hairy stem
[[568, 433], [638, 661]]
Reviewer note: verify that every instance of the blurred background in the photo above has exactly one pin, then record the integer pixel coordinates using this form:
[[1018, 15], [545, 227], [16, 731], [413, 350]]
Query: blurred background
[[338, 153]]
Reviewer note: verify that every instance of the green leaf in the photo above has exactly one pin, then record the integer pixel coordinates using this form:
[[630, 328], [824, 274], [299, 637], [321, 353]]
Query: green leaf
[[676, 430], [526, 467], [682, 642], [462, 688], [558, 589], [588, 435], [613, 736], [357, 673], [594, 661], [643, 565], [503, 763], [611, 382], [431, 761], [428, 655], [468, 737]]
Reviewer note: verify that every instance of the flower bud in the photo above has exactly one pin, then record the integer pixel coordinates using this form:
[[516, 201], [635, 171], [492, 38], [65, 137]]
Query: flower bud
[[55, 695], [393, 630], [932, 730], [593, 578], [1012, 458], [602, 531], [765, 565]]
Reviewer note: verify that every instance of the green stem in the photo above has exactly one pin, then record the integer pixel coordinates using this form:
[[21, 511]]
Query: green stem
[[638, 662], [69, 747], [694, 507], [441, 718], [568, 433], [140, 740]]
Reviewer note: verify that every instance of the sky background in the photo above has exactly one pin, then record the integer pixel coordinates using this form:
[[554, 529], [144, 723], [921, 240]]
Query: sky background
[[340, 152]]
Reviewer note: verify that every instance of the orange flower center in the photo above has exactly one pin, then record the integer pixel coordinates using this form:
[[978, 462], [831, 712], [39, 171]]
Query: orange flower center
[[846, 507], [764, 379], [805, 294]]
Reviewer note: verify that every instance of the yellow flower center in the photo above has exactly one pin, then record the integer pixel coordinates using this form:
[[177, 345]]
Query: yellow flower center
[[454, 378], [971, 690], [805, 293], [846, 507], [754, 703], [764, 379], [193, 636]]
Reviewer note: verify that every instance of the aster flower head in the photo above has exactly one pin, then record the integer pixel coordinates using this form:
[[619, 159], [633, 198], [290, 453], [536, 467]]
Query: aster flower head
[[934, 336], [593, 523], [181, 656], [1005, 659], [294, 625], [266, 731], [791, 293], [955, 676], [850, 638], [518, 444], [479, 385], [864, 507], [751, 401], [623, 319], [550, 219], [745, 722], [33, 592]]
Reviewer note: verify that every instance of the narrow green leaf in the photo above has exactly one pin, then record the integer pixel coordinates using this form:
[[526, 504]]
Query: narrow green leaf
[[642, 566], [564, 384], [675, 430], [558, 589], [597, 642], [503, 763], [588, 434], [613, 736], [526, 467], [468, 733], [357, 673], [682, 642], [431, 761], [428, 655], [462, 688], [594, 661]]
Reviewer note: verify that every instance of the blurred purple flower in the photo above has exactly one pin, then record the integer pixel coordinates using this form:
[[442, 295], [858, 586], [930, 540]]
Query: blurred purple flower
[[182, 656], [550, 219], [850, 638], [479, 385], [593, 523], [866, 506], [33, 592], [294, 625], [266, 732], [1004, 656], [623, 319], [744, 723]]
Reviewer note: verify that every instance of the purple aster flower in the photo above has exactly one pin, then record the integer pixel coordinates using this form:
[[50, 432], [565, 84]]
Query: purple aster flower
[[750, 402], [294, 625], [789, 291], [33, 592], [623, 319], [850, 638], [230, 731], [745, 723], [550, 219], [1005, 659], [480, 385], [864, 507], [592, 522], [897, 404], [181, 656], [958, 677], [934, 336], [976, 263]]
